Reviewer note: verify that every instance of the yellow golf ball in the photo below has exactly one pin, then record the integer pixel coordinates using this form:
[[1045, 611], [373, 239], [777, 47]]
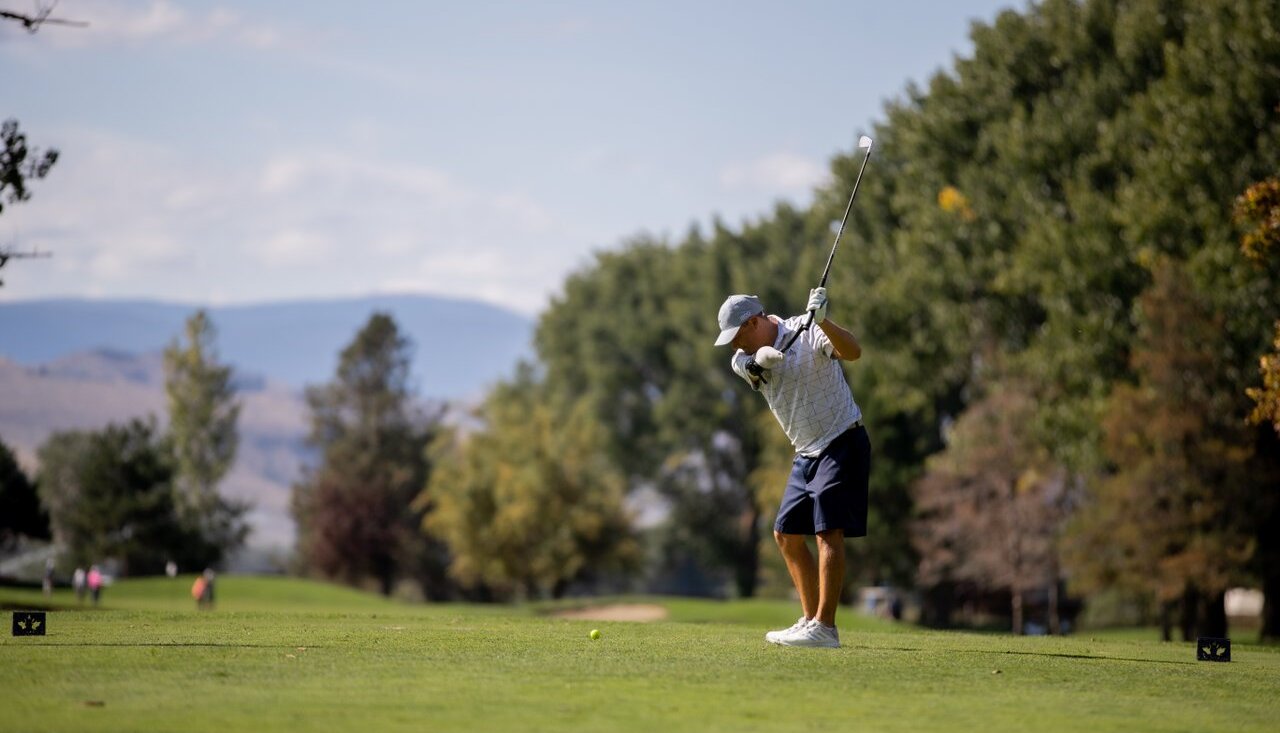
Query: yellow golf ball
[[595, 633]]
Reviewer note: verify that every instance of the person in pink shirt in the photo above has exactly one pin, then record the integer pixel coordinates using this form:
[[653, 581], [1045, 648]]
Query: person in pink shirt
[[95, 583]]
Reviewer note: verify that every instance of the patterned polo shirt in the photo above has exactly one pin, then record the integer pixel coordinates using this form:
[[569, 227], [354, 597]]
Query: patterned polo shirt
[[807, 392]]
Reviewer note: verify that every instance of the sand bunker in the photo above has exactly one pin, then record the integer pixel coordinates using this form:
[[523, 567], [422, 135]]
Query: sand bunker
[[616, 612]]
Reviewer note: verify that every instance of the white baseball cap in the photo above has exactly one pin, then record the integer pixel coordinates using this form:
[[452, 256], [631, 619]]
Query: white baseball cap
[[735, 311]]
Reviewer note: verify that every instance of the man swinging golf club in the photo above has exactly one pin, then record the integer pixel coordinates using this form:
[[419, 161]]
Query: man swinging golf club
[[826, 494], [796, 367]]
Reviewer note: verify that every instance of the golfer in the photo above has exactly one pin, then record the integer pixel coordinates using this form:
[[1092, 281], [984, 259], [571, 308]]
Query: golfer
[[826, 494]]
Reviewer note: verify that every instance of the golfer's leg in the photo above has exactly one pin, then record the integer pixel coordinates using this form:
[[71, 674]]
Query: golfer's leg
[[830, 574], [804, 572]]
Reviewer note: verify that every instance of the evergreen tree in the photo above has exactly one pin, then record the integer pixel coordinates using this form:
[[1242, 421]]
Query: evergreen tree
[[203, 413], [355, 519]]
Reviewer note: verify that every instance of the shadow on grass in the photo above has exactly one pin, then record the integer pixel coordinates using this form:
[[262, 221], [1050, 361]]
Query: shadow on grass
[[47, 607], [226, 645], [1028, 654]]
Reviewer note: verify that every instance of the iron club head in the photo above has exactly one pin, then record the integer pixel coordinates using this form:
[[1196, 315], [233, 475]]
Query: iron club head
[[864, 143]]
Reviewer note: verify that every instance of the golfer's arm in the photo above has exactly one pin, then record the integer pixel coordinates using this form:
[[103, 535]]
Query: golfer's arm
[[843, 344]]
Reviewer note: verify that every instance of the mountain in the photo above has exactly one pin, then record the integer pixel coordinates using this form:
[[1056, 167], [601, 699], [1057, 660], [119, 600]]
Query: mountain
[[460, 347]]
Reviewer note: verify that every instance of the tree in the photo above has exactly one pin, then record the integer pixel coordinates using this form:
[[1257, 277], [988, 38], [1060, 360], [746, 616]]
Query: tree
[[529, 503], [1013, 215], [20, 512], [109, 494], [354, 513], [991, 506], [1257, 212], [203, 413], [1171, 520], [20, 164]]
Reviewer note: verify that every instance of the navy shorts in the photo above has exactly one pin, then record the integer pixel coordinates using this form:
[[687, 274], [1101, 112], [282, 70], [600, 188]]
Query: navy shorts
[[829, 491]]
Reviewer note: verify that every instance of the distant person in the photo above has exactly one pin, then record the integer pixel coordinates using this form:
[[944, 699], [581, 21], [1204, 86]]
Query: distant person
[[826, 494], [209, 578], [77, 583], [197, 591], [171, 569], [47, 585], [94, 580]]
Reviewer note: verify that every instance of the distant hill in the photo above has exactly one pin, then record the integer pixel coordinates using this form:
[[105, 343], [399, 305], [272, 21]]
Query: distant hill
[[461, 347], [81, 364], [87, 391]]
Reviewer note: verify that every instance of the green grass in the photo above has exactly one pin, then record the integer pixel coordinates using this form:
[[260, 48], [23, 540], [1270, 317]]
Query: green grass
[[286, 655]]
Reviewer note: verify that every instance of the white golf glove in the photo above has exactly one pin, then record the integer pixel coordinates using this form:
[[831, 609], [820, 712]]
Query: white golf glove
[[739, 364], [769, 357], [818, 304]]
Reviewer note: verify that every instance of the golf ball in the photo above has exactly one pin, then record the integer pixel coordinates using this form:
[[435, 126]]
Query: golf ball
[[595, 633]]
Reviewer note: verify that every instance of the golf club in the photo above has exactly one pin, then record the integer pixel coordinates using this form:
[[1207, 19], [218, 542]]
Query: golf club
[[864, 143]]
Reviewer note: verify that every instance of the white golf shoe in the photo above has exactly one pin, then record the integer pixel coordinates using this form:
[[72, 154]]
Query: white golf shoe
[[773, 636], [813, 633]]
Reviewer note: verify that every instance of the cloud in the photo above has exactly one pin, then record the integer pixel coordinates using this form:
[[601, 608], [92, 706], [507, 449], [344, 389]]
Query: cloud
[[778, 171], [144, 219]]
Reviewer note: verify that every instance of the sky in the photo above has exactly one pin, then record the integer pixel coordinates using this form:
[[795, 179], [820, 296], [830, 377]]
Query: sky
[[247, 152]]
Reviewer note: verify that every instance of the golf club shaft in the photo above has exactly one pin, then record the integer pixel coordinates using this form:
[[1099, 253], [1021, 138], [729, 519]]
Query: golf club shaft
[[831, 257]]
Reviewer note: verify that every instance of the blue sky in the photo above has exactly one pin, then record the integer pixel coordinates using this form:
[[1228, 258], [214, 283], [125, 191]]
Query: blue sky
[[229, 152]]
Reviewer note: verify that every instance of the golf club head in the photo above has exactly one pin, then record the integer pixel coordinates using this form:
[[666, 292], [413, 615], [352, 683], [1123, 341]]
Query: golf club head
[[864, 143]]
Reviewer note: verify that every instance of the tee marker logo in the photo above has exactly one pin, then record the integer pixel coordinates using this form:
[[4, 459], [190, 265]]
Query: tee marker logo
[[1213, 649], [28, 623]]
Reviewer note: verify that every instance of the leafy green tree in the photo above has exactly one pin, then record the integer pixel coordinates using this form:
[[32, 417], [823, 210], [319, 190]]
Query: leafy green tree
[[110, 495], [529, 503], [203, 412], [20, 512], [1020, 200], [355, 519], [629, 337]]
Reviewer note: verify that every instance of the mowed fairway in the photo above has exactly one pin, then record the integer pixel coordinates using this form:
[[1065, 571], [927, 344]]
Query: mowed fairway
[[290, 655]]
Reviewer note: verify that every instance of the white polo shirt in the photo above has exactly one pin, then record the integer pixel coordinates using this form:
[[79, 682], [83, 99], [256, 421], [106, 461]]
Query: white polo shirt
[[807, 392]]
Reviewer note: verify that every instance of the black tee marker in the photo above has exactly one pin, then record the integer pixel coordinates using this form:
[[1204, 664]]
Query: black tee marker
[[28, 623]]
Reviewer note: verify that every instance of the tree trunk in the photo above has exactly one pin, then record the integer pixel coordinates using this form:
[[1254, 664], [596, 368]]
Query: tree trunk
[[1166, 621], [1055, 622], [1017, 610], [747, 571], [1190, 613], [937, 606], [1214, 620], [1271, 605]]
